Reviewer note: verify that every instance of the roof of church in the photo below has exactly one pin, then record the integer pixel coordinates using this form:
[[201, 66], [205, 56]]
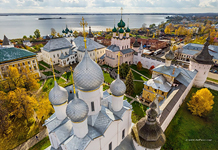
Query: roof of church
[[6, 41], [97, 125], [126, 144], [126, 51], [159, 83], [136, 44], [182, 75], [91, 44], [113, 48], [10, 54], [57, 44], [203, 57]]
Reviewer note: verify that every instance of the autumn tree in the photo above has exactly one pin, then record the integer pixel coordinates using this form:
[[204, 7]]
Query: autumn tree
[[129, 83], [53, 32], [174, 48], [139, 65], [167, 30], [75, 33], [37, 33], [201, 102], [15, 79]]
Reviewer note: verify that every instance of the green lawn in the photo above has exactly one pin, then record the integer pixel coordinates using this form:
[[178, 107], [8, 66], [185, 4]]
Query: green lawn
[[45, 64], [139, 111], [138, 87], [49, 84], [56, 71], [48, 73], [43, 144], [143, 71], [41, 67], [138, 76], [105, 87], [185, 127], [67, 75], [107, 77], [214, 80]]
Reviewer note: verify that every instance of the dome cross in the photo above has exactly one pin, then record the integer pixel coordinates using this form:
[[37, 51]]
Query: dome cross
[[84, 24]]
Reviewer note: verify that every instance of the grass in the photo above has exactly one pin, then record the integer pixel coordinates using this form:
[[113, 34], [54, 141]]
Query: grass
[[138, 87], [107, 78], [214, 80], [139, 111], [48, 73], [187, 126], [49, 84], [41, 67], [106, 66], [56, 71], [45, 64], [43, 144], [67, 75], [143, 71], [105, 87], [40, 82]]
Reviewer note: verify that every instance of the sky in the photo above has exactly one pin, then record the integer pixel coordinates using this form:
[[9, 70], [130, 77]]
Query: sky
[[108, 6]]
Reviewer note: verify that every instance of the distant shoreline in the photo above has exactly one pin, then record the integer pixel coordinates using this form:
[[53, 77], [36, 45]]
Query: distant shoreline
[[50, 18], [28, 14]]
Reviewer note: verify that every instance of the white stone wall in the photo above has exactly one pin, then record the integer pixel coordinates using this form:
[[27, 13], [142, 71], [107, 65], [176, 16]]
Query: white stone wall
[[54, 55], [176, 107], [202, 74], [60, 111], [92, 96], [146, 62], [123, 44]]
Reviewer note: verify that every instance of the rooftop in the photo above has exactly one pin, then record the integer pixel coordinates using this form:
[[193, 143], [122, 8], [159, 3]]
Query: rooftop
[[57, 44], [10, 54], [91, 44]]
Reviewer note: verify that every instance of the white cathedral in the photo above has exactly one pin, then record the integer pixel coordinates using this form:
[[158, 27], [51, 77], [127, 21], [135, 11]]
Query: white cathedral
[[88, 118]]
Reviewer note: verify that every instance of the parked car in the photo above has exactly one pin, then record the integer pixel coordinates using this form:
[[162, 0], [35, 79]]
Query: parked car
[[215, 71]]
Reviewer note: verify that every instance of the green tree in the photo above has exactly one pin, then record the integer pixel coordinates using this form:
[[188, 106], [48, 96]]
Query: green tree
[[124, 69], [24, 37], [37, 33], [129, 83], [31, 36]]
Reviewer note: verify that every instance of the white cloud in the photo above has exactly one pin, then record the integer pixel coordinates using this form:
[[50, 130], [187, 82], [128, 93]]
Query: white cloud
[[108, 6]]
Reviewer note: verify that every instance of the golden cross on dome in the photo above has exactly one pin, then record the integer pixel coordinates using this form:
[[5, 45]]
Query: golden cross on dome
[[74, 90], [84, 24], [118, 64], [121, 11], [95, 56], [52, 68]]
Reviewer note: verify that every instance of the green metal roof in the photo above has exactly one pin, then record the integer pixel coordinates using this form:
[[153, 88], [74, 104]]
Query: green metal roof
[[114, 29], [121, 30], [10, 54], [121, 24], [127, 30]]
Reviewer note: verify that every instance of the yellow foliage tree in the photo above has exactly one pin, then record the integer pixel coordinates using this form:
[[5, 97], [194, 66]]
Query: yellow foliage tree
[[44, 107], [15, 79], [201, 102], [167, 30], [174, 48]]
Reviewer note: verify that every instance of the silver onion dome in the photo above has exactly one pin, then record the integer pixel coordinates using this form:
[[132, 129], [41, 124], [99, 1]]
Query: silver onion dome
[[58, 95], [169, 55], [88, 74], [118, 87], [77, 110]]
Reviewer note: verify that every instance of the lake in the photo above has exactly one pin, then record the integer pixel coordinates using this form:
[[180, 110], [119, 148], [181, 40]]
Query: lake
[[17, 26]]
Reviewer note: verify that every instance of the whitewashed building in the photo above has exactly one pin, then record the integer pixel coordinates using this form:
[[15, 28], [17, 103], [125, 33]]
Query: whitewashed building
[[54, 49]]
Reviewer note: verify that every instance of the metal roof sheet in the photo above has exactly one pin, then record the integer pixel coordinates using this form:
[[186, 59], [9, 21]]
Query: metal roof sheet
[[10, 54], [57, 44]]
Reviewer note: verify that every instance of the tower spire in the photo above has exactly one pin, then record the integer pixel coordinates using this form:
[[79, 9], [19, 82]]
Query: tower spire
[[52, 68], [74, 90], [84, 24], [128, 23], [121, 12], [118, 64]]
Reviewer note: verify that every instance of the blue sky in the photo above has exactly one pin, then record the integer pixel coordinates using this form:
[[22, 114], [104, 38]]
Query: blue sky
[[108, 6]]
